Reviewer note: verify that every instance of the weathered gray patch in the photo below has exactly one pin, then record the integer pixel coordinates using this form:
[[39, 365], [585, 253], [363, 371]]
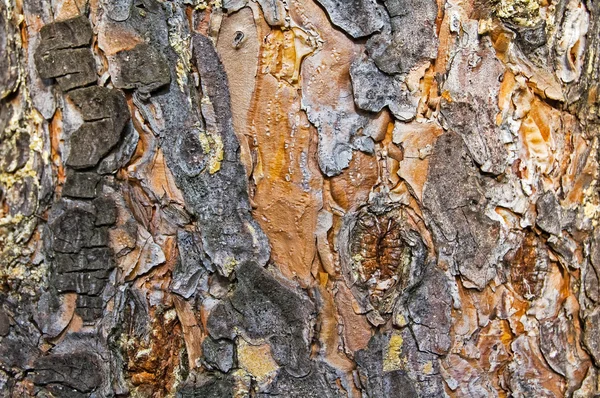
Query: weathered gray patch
[[374, 90], [389, 370], [320, 382], [453, 196], [118, 10], [207, 385], [358, 18], [191, 265], [9, 54], [4, 323], [218, 353], [234, 5], [549, 213], [473, 84], [409, 39], [560, 350], [264, 308], [474, 120], [429, 311], [591, 334], [14, 152]]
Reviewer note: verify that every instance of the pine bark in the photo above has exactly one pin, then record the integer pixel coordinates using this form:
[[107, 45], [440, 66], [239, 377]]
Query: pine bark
[[299, 198]]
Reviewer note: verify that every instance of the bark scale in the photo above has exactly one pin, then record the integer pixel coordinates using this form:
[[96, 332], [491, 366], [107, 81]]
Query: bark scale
[[299, 198]]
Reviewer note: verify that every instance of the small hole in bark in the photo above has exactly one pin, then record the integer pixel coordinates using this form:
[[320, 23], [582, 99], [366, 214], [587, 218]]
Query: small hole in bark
[[238, 39]]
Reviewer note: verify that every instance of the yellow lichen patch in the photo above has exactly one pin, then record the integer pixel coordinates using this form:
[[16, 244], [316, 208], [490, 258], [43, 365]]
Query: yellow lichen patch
[[229, 266], [257, 360], [522, 12], [212, 145], [392, 359], [401, 320], [428, 367]]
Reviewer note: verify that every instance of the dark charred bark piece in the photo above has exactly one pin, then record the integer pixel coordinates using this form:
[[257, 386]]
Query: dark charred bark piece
[[409, 40], [373, 90], [94, 259], [100, 237], [81, 184], [101, 103], [71, 230], [143, 67], [222, 320], [106, 211], [8, 56], [191, 264], [72, 68], [193, 155], [71, 33], [106, 114], [91, 142], [90, 308], [122, 153], [4, 323], [320, 382], [266, 309], [84, 283], [218, 353], [58, 390], [358, 18], [79, 370], [207, 386], [18, 348], [530, 39]]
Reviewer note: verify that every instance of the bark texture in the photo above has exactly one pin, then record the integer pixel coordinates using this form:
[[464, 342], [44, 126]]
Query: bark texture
[[299, 198]]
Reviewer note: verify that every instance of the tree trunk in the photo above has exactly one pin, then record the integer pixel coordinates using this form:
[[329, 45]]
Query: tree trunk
[[299, 198]]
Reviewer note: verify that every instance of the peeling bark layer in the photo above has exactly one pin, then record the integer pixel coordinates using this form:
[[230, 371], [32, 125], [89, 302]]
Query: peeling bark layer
[[299, 198]]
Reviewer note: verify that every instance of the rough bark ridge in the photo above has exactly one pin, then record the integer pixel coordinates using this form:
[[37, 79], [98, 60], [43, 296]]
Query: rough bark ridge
[[299, 198]]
